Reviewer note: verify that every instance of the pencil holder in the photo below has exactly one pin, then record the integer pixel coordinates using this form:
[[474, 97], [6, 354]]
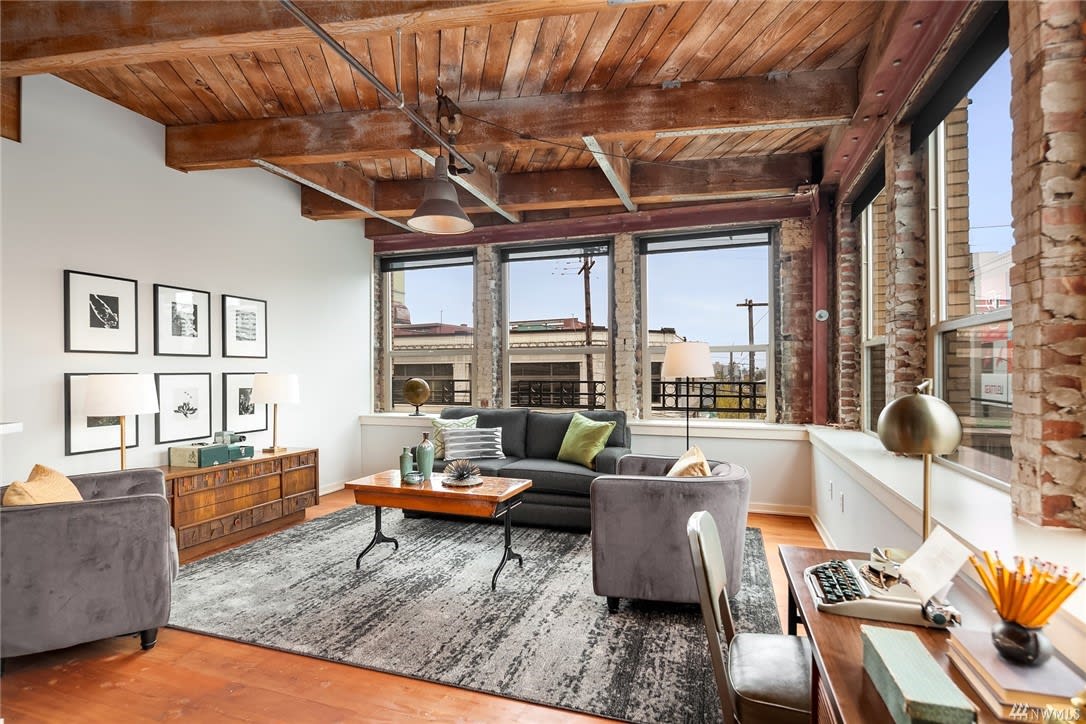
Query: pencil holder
[[1021, 644]]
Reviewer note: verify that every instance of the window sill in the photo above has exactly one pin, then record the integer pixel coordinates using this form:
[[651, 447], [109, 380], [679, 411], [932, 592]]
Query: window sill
[[724, 429]]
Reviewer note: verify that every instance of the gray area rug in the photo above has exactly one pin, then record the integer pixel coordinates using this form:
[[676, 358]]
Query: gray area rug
[[427, 611]]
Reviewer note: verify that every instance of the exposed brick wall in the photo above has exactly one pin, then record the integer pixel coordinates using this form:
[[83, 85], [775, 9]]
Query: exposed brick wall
[[626, 321], [486, 367], [381, 373], [847, 380], [794, 354], [906, 293], [1048, 280]]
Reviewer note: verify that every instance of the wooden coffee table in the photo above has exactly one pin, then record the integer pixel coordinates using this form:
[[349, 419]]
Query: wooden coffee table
[[492, 498]]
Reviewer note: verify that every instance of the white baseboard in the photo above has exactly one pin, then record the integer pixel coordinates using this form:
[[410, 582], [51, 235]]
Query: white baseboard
[[331, 488], [823, 531], [799, 511]]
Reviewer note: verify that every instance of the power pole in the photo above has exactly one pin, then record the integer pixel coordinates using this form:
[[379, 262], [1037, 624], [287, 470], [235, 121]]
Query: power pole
[[586, 270], [750, 304]]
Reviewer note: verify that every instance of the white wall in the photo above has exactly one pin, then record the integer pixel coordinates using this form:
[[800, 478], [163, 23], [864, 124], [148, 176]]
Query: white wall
[[88, 189]]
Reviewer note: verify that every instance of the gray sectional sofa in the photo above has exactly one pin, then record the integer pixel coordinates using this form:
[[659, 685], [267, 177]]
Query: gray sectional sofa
[[531, 440]]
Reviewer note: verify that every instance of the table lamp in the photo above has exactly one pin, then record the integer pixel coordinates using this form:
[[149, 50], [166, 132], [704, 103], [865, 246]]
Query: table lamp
[[273, 389], [920, 424], [119, 396], [687, 359]]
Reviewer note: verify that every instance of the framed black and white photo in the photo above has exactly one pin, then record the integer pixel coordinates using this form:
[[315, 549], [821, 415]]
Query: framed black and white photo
[[83, 434], [99, 313], [184, 406], [182, 321], [244, 327], [239, 412]]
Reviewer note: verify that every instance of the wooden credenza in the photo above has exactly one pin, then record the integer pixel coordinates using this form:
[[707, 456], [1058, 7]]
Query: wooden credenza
[[214, 506]]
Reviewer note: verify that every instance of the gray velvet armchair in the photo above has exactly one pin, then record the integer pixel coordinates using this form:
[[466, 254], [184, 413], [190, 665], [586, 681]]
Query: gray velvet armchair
[[639, 543], [88, 570]]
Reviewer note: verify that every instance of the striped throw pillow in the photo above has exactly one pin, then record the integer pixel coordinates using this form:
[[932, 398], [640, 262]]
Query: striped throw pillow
[[442, 424], [480, 442]]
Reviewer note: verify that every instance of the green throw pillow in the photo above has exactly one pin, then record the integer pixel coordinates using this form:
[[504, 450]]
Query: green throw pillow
[[441, 425], [584, 440]]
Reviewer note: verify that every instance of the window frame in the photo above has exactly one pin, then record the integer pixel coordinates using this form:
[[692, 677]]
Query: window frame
[[869, 340]]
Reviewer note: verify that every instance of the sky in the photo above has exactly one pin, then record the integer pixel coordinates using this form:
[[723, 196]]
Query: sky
[[697, 292]]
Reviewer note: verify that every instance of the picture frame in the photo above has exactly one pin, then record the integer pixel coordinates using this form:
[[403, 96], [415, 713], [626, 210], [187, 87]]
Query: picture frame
[[184, 404], [244, 327], [101, 313], [84, 434], [182, 321], [239, 412]]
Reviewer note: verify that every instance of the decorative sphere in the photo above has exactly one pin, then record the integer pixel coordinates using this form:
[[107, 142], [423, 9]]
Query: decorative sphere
[[416, 391]]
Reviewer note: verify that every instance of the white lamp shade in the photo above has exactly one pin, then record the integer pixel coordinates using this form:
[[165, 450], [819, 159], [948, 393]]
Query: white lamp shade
[[120, 395], [687, 359], [275, 388]]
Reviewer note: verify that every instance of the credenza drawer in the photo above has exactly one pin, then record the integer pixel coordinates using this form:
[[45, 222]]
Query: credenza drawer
[[300, 460], [299, 502], [200, 481], [252, 470]]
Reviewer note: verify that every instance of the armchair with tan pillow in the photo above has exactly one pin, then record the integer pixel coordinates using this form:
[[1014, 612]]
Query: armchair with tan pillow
[[640, 548]]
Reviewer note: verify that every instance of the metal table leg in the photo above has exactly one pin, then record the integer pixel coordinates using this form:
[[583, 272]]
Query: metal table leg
[[793, 613], [508, 553], [378, 537]]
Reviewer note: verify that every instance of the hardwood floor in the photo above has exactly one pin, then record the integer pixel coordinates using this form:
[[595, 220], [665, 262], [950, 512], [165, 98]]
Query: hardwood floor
[[201, 678]]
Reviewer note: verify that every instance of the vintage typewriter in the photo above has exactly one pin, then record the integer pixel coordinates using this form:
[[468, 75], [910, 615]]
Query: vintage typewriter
[[874, 590]]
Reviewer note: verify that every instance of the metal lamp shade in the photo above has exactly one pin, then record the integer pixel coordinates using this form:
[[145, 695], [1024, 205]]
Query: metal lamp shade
[[917, 424], [440, 212]]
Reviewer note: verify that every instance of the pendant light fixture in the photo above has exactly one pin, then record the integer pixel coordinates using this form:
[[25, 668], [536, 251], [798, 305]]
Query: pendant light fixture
[[440, 212]]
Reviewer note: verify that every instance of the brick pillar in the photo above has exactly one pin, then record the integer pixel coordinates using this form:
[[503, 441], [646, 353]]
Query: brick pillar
[[794, 356], [626, 321], [486, 366], [849, 342], [1048, 279], [381, 372], [906, 293]]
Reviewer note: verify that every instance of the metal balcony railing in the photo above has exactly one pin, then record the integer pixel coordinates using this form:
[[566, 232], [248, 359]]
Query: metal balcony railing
[[723, 398], [567, 394], [443, 391]]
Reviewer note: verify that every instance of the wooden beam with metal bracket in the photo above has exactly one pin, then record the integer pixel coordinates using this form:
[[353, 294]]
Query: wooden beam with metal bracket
[[615, 166]]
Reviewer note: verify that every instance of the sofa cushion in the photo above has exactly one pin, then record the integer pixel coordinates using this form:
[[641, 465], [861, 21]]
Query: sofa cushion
[[691, 464], [493, 467], [552, 476], [546, 430], [473, 443], [44, 485], [513, 422], [441, 425], [584, 440]]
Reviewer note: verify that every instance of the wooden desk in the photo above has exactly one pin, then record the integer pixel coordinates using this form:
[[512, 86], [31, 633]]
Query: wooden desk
[[841, 691]]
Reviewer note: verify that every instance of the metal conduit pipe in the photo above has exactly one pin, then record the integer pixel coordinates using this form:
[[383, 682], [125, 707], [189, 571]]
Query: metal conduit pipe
[[380, 86]]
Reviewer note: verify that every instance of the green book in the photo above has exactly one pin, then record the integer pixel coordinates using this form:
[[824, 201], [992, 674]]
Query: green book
[[912, 684]]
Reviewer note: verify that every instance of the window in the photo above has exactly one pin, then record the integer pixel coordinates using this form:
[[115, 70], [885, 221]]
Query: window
[[558, 339], [875, 239], [428, 304], [711, 287], [970, 185]]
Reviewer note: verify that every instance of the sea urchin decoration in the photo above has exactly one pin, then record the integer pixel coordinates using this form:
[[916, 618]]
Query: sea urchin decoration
[[461, 470]]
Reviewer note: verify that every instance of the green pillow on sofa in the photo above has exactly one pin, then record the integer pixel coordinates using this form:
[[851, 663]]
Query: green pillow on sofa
[[584, 440]]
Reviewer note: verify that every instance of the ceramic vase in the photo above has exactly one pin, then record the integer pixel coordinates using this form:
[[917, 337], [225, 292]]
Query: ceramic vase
[[424, 453], [1021, 644], [406, 461]]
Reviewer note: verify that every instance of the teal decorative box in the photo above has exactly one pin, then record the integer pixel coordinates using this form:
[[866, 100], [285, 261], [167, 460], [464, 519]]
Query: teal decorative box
[[199, 456], [238, 451], [911, 683]]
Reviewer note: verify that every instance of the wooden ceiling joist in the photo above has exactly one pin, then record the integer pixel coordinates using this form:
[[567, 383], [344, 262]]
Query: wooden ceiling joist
[[607, 115], [53, 37], [711, 180]]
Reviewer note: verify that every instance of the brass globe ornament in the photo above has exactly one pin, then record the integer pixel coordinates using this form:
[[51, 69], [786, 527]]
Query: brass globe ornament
[[416, 391]]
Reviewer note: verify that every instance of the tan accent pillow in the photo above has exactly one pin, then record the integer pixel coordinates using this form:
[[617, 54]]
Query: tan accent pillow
[[44, 485], [691, 464]]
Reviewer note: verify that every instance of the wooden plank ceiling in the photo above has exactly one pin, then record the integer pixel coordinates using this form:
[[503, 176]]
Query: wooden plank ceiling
[[683, 102]]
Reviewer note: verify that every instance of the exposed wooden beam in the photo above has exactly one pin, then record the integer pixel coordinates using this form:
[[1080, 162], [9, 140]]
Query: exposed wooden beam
[[716, 215], [11, 96], [727, 178], [52, 37], [345, 185], [908, 38], [615, 166], [482, 183], [631, 114]]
